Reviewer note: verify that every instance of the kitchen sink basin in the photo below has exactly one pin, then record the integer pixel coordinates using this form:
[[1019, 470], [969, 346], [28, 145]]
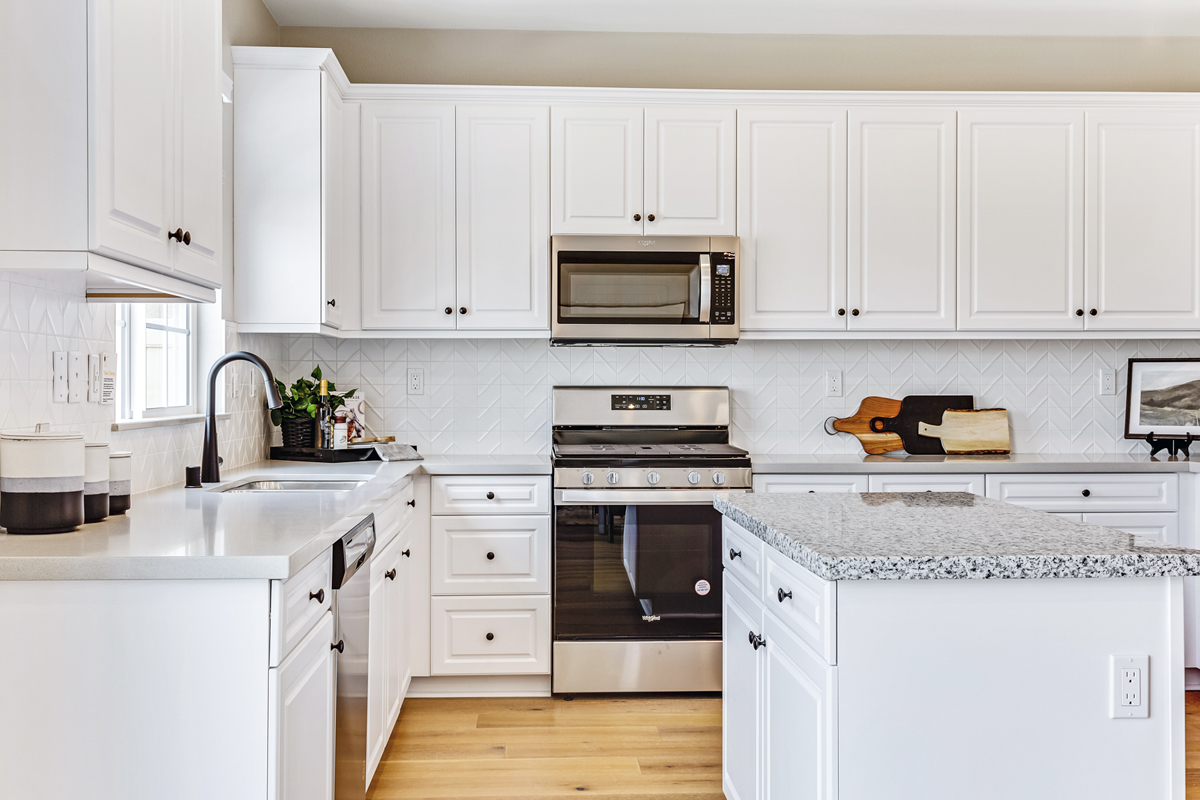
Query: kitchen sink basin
[[312, 484]]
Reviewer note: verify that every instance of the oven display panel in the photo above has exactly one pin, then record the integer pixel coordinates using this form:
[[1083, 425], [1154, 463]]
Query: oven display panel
[[648, 402]]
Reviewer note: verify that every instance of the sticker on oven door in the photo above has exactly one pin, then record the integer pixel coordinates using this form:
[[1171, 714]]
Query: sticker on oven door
[[703, 587]]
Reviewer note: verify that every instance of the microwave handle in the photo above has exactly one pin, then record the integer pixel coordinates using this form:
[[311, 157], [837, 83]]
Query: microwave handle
[[705, 287]]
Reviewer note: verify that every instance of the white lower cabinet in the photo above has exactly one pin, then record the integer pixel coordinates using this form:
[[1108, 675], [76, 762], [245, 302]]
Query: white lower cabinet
[[387, 665], [490, 635], [741, 691], [771, 484], [302, 697], [972, 484]]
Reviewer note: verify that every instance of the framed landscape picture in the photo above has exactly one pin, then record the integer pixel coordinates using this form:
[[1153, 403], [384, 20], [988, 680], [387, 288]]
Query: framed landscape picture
[[1163, 398]]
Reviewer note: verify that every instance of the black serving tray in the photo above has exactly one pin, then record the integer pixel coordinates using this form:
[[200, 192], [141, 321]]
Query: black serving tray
[[350, 454]]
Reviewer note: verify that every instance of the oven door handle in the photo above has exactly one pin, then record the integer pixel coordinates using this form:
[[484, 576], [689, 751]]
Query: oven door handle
[[705, 287], [644, 497]]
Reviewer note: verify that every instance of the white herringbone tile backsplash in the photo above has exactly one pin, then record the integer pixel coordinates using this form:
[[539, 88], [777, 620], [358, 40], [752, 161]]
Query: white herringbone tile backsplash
[[493, 396]]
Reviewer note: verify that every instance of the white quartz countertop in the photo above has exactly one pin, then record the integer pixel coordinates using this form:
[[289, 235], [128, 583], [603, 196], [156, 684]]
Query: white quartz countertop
[[178, 533], [1017, 462], [943, 535]]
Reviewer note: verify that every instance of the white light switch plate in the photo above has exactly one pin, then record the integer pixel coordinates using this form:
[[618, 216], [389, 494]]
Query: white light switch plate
[[76, 378], [60, 376]]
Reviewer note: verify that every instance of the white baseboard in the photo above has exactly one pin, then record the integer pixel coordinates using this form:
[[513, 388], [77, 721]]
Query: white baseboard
[[480, 686]]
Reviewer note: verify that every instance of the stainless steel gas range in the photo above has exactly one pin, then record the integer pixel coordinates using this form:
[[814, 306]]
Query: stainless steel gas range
[[637, 562]]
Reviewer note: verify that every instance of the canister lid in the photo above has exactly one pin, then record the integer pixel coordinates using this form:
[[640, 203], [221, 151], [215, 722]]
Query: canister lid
[[97, 444], [20, 436], [121, 454]]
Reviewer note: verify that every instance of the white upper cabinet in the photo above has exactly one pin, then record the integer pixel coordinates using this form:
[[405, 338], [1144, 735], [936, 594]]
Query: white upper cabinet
[[1143, 216], [791, 217], [408, 258], [596, 169], [333, 211], [1020, 219], [503, 198], [900, 219], [690, 171]]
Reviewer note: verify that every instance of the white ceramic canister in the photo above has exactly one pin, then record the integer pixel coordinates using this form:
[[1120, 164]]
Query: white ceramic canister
[[41, 482], [120, 482], [95, 482]]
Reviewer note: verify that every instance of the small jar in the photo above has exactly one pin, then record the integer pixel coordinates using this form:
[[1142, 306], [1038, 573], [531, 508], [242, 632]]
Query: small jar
[[95, 482], [41, 482], [120, 482]]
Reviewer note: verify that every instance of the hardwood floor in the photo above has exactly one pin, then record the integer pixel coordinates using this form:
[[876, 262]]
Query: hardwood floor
[[645, 746]]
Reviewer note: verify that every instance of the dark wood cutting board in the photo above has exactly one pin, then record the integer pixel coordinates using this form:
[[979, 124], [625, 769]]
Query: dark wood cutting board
[[859, 424], [918, 408]]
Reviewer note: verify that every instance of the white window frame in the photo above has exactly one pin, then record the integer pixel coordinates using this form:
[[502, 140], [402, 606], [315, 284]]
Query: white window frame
[[131, 328]]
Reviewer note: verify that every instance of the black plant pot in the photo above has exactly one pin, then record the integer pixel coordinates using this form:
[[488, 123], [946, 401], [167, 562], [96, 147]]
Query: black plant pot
[[299, 432]]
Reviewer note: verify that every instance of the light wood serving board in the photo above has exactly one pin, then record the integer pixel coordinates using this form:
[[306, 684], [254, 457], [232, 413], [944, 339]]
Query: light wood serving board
[[971, 432], [859, 424]]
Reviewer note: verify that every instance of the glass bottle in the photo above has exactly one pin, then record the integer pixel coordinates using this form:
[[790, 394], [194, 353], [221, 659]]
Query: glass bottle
[[324, 418]]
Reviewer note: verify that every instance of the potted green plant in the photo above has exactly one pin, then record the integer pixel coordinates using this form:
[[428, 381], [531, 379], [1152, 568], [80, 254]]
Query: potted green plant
[[297, 417]]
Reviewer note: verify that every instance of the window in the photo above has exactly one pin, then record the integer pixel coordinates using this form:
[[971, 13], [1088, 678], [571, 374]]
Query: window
[[156, 344]]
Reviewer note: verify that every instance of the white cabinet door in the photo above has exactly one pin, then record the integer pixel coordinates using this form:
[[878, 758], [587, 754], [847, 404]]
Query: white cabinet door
[[799, 700], [408, 271], [809, 483], [900, 219], [377, 666], [1143, 218], [490, 555], [502, 161], [690, 171], [132, 131], [596, 169], [302, 697], [1161, 526], [741, 694], [198, 136], [1020, 219], [791, 217], [395, 658], [332, 188], [507, 635], [972, 484]]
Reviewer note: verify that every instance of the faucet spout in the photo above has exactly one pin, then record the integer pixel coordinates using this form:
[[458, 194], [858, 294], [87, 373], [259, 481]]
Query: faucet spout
[[210, 466]]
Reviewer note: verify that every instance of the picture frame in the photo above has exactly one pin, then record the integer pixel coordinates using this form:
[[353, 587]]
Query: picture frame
[[1162, 397]]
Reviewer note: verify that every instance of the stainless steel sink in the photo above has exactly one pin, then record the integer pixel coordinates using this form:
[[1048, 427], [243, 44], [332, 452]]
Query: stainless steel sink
[[311, 484]]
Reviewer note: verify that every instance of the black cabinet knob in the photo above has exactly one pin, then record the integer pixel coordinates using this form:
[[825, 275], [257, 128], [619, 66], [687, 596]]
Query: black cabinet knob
[[340, 646], [491, 556], [734, 554], [449, 310], [782, 594], [1087, 492], [490, 636], [1093, 312], [757, 641], [841, 312], [406, 553], [854, 313], [1079, 312], [176, 234], [390, 574], [332, 302], [650, 217], [187, 237], [491, 495], [318, 595], [462, 309], [412, 503], [637, 217]]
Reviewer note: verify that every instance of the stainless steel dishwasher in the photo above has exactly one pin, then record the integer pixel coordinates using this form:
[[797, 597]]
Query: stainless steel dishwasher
[[352, 618]]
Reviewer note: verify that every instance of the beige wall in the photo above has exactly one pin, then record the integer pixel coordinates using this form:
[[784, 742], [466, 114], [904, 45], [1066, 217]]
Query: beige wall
[[714, 61], [246, 22]]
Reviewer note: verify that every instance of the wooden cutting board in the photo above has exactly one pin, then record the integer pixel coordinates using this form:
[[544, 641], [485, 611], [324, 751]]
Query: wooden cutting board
[[918, 408], [859, 424], [971, 432]]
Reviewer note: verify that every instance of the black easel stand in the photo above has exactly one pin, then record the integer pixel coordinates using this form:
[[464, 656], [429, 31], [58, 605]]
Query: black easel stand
[[1174, 446]]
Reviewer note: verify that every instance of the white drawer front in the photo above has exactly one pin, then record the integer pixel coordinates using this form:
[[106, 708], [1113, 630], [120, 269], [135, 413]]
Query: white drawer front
[[742, 555], [972, 484], [1161, 526], [295, 609], [1087, 493], [803, 600], [491, 494], [519, 629], [490, 555], [809, 483]]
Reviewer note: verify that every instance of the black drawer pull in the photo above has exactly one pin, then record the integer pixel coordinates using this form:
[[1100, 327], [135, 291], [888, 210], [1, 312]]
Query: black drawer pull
[[340, 646], [490, 636], [318, 595], [782, 594], [491, 495], [406, 553], [757, 641], [734, 554], [1087, 492], [491, 556], [332, 302], [412, 503], [390, 574]]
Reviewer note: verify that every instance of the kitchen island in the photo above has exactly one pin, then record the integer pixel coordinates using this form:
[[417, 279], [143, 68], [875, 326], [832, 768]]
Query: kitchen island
[[944, 645]]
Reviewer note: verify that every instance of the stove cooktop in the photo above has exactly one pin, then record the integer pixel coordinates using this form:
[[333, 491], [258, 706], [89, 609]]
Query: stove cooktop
[[609, 451]]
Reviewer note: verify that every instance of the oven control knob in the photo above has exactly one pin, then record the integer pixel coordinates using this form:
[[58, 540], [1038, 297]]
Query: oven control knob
[[613, 477], [587, 478], [693, 477], [652, 478], [718, 478]]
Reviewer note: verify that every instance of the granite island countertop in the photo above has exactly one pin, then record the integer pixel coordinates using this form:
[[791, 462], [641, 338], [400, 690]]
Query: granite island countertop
[[943, 535]]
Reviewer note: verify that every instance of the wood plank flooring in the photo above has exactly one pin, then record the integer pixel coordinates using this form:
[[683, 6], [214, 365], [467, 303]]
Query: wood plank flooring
[[665, 747], [648, 747]]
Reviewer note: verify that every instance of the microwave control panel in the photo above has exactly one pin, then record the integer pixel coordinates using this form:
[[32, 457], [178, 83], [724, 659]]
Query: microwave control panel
[[723, 301]]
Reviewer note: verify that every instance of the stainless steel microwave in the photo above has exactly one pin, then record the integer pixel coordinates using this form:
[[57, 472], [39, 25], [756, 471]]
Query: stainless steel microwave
[[644, 290]]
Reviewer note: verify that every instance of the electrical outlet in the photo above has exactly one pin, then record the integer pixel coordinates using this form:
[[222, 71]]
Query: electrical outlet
[[93, 377], [60, 376], [833, 383], [76, 377], [1107, 381], [416, 380], [1130, 687]]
